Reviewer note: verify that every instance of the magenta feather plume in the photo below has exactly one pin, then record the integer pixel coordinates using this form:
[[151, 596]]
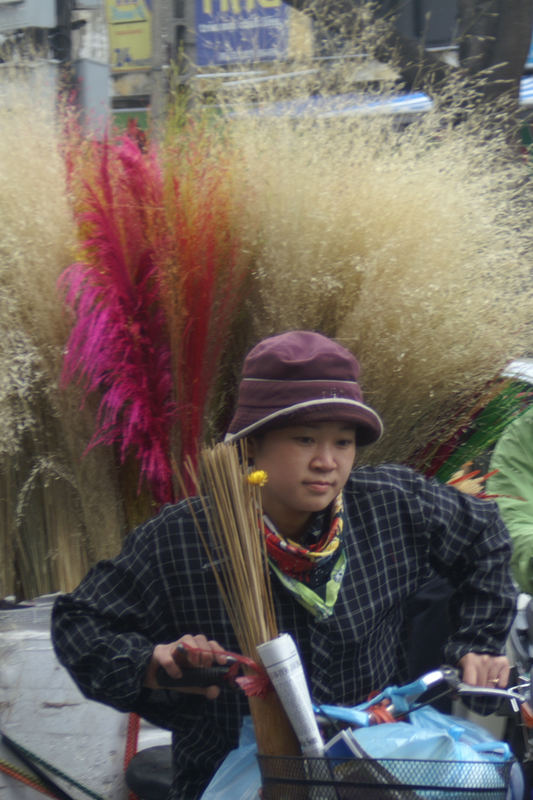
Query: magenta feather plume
[[119, 343], [154, 297]]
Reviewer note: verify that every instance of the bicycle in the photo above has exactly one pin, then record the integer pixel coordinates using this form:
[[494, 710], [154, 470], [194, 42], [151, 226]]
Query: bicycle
[[338, 777]]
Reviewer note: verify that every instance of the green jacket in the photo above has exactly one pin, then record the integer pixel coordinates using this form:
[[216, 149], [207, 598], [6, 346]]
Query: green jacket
[[513, 458]]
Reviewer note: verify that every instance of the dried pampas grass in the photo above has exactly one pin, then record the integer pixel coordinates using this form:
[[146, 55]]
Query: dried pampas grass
[[59, 513], [412, 247]]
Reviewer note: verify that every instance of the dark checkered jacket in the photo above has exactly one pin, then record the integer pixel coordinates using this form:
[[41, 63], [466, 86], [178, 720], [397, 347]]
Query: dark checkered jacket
[[398, 527]]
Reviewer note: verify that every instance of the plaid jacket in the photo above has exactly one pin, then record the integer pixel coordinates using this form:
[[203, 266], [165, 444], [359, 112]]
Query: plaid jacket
[[398, 527]]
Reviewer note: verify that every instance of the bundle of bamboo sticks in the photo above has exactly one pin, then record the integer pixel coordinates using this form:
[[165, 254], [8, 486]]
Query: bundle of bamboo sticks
[[233, 509]]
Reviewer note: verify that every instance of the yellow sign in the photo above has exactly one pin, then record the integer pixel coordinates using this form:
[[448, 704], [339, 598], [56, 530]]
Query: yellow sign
[[130, 34]]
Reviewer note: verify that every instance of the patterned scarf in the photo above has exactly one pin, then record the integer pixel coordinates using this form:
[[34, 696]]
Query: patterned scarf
[[312, 574]]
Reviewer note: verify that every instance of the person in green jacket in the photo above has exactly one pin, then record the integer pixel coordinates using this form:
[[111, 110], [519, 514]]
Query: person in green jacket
[[513, 485]]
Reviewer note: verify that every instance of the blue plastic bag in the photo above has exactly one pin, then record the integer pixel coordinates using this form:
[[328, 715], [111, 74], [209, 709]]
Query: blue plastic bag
[[238, 777], [431, 735]]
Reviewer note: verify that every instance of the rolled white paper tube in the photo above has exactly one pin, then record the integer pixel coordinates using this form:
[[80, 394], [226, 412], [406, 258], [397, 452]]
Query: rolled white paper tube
[[281, 659]]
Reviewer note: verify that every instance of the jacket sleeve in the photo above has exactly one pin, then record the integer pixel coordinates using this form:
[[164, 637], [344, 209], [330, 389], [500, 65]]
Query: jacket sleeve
[[103, 632], [470, 545]]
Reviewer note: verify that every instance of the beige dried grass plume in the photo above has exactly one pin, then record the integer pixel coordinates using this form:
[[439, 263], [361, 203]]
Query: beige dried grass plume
[[412, 247], [62, 510]]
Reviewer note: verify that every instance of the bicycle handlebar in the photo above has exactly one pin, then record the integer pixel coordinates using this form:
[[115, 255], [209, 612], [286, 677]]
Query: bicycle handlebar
[[401, 700]]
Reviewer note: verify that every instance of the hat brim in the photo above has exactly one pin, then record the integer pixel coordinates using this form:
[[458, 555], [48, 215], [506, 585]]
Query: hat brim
[[368, 424]]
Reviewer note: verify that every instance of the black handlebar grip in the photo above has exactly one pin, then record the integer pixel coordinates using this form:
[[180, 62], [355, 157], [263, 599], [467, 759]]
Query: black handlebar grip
[[194, 676]]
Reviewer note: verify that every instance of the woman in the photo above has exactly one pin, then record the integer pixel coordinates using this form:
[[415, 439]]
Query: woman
[[347, 549]]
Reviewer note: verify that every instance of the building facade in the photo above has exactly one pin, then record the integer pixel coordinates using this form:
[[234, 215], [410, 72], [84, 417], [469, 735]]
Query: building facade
[[122, 55]]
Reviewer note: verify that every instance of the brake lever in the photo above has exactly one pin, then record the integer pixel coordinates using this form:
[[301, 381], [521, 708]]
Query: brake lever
[[452, 677], [487, 691]]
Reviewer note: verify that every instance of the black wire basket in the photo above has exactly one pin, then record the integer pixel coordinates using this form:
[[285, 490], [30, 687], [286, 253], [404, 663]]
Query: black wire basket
[[290, 778]]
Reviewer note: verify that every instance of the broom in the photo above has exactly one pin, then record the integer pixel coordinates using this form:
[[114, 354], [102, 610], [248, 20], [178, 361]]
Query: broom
[[231, 501]]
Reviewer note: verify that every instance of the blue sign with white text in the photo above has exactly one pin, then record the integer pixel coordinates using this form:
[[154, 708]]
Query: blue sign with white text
[[236, 31]]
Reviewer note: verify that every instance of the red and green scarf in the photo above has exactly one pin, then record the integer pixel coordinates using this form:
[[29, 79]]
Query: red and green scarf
[[313, 574]]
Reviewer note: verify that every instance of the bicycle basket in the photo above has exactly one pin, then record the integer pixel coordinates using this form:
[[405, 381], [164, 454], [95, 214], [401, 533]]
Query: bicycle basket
[[290, 778]]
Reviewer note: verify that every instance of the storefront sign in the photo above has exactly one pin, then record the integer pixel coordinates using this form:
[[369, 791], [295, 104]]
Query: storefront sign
[[130, 34], [236, 31]]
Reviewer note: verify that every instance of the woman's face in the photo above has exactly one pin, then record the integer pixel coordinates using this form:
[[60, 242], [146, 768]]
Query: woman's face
[[307, 466]]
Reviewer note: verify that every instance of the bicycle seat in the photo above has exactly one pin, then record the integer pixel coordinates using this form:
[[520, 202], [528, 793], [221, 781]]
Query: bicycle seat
[[149, 773]]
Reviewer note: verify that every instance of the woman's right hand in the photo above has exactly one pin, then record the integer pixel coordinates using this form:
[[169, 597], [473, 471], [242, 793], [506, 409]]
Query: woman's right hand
[[172, 660]]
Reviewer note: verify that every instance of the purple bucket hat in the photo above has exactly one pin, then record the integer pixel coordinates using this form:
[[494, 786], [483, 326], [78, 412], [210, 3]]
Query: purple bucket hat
[[301, 376]]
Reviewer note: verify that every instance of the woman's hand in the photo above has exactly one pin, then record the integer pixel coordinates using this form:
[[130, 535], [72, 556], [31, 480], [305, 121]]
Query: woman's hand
[[483, 669], [173, 660]]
